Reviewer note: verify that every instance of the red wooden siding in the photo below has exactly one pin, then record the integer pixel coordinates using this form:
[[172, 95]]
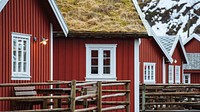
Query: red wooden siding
[[151, 52], [179, 57], [195, 78], [193, 46], [24, 16], [70, 59]]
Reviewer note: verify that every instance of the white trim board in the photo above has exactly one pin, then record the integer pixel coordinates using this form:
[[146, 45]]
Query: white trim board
[[193, 36], [136, 76], [2, 4], [59, 16]]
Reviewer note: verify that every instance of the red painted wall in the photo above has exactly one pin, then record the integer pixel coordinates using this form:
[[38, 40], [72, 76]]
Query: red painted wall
[[151, 52], [195, 78], [193, 46], [24, 16], [178, 55], [70, 58]]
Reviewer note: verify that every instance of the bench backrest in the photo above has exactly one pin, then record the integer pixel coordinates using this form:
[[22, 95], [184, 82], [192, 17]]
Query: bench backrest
[[25, 91]]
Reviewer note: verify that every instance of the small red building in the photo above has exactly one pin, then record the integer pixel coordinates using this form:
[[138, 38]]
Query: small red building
[[153, 57], [175, 48], [102, 43], [192, 70], [23, 25]]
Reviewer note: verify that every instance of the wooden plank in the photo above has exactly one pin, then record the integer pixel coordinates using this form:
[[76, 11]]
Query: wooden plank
[[99, 96], [115, 102], [127, 97], [115, 91], [73, 96], [171, 93], [45, 110], [26, 93], [33, 97], [114, 84], [24, 88], [86, 109], [170, 111], [171, 103], [114, 95], [113, 108], [85, 96]]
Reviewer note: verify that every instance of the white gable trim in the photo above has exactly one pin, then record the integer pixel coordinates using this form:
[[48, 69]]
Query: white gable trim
[[191, 37], [59, 16], [2, 4], [178, 39], [184, 52], [150, 31]]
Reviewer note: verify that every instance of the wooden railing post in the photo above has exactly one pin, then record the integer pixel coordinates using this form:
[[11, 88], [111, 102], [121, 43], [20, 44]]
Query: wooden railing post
[[73, 96], [128, 97], [143, 97], [99, 95]]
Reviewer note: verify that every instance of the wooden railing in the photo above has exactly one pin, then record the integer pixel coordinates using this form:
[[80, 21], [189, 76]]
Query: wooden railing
[[78, 96], [169, 97]]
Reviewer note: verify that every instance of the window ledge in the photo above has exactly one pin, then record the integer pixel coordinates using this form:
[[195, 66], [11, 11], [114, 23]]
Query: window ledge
[[21, 78], [100, 79]]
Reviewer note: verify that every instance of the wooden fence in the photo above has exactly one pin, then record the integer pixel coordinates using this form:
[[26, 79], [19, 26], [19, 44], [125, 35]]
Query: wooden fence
[[169, 97], [83, 96]]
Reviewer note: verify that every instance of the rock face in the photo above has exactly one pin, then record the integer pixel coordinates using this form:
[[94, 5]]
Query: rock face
[[172, 17]]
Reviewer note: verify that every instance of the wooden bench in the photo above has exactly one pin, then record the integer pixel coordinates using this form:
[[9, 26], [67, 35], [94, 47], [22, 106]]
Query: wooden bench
[[24, 92]]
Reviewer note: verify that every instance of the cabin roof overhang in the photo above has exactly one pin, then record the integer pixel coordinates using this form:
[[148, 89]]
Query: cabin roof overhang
[[74, 34], [193, 36]]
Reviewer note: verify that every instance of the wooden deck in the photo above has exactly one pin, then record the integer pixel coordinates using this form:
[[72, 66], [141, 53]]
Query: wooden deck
[[76, 96], [170, 97]]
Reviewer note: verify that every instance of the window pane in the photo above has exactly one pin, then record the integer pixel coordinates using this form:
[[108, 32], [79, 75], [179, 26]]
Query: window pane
[[14, 66], [106, 53], [94, 61], [24, 46], [94, 70], [19, 44], [24, 67], [152, 73], [14, 56], [14, 44], [24, 56], [148, 72], [106, 70], [19, 67], [20, 56], [94, 53]]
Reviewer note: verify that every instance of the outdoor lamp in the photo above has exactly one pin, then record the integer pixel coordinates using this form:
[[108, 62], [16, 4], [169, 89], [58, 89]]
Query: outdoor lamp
[[44, 41]]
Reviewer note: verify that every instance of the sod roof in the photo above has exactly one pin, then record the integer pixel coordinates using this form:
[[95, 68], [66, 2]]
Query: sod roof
[[109, 16]]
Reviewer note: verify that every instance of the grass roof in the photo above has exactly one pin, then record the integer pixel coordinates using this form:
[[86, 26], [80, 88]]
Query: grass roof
[[101, 16]]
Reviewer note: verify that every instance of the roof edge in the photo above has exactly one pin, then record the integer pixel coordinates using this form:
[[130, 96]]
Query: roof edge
[[191, 37], [142, 17], [174, 46], [183, 49], [4, 2], [59, 16]]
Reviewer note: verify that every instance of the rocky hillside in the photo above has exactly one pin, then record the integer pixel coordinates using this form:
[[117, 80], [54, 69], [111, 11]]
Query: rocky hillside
[[172, 17]]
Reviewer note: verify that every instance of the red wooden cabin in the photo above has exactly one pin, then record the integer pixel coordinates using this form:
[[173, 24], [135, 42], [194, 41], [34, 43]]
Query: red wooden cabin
[[102, 44], [175, 48], [192, 70], [23, 25], [153, 57]]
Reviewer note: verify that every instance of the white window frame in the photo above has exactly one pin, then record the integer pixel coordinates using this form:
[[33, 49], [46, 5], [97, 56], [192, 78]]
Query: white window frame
[[21, 75], [189, 78], [171, 74], [152, 73], [100, 76], [177, 74], [2, 4]]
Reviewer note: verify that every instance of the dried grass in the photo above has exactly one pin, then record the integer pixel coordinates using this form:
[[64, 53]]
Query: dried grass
[[101, 15]]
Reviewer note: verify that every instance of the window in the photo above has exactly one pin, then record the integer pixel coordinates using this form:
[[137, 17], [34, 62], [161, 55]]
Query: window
[[101, 61], [177, 74], [186, 79], [20, 56], [171, 74], [149, 72]]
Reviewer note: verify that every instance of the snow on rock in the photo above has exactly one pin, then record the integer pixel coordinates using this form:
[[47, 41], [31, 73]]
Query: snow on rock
[[172, 17]]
